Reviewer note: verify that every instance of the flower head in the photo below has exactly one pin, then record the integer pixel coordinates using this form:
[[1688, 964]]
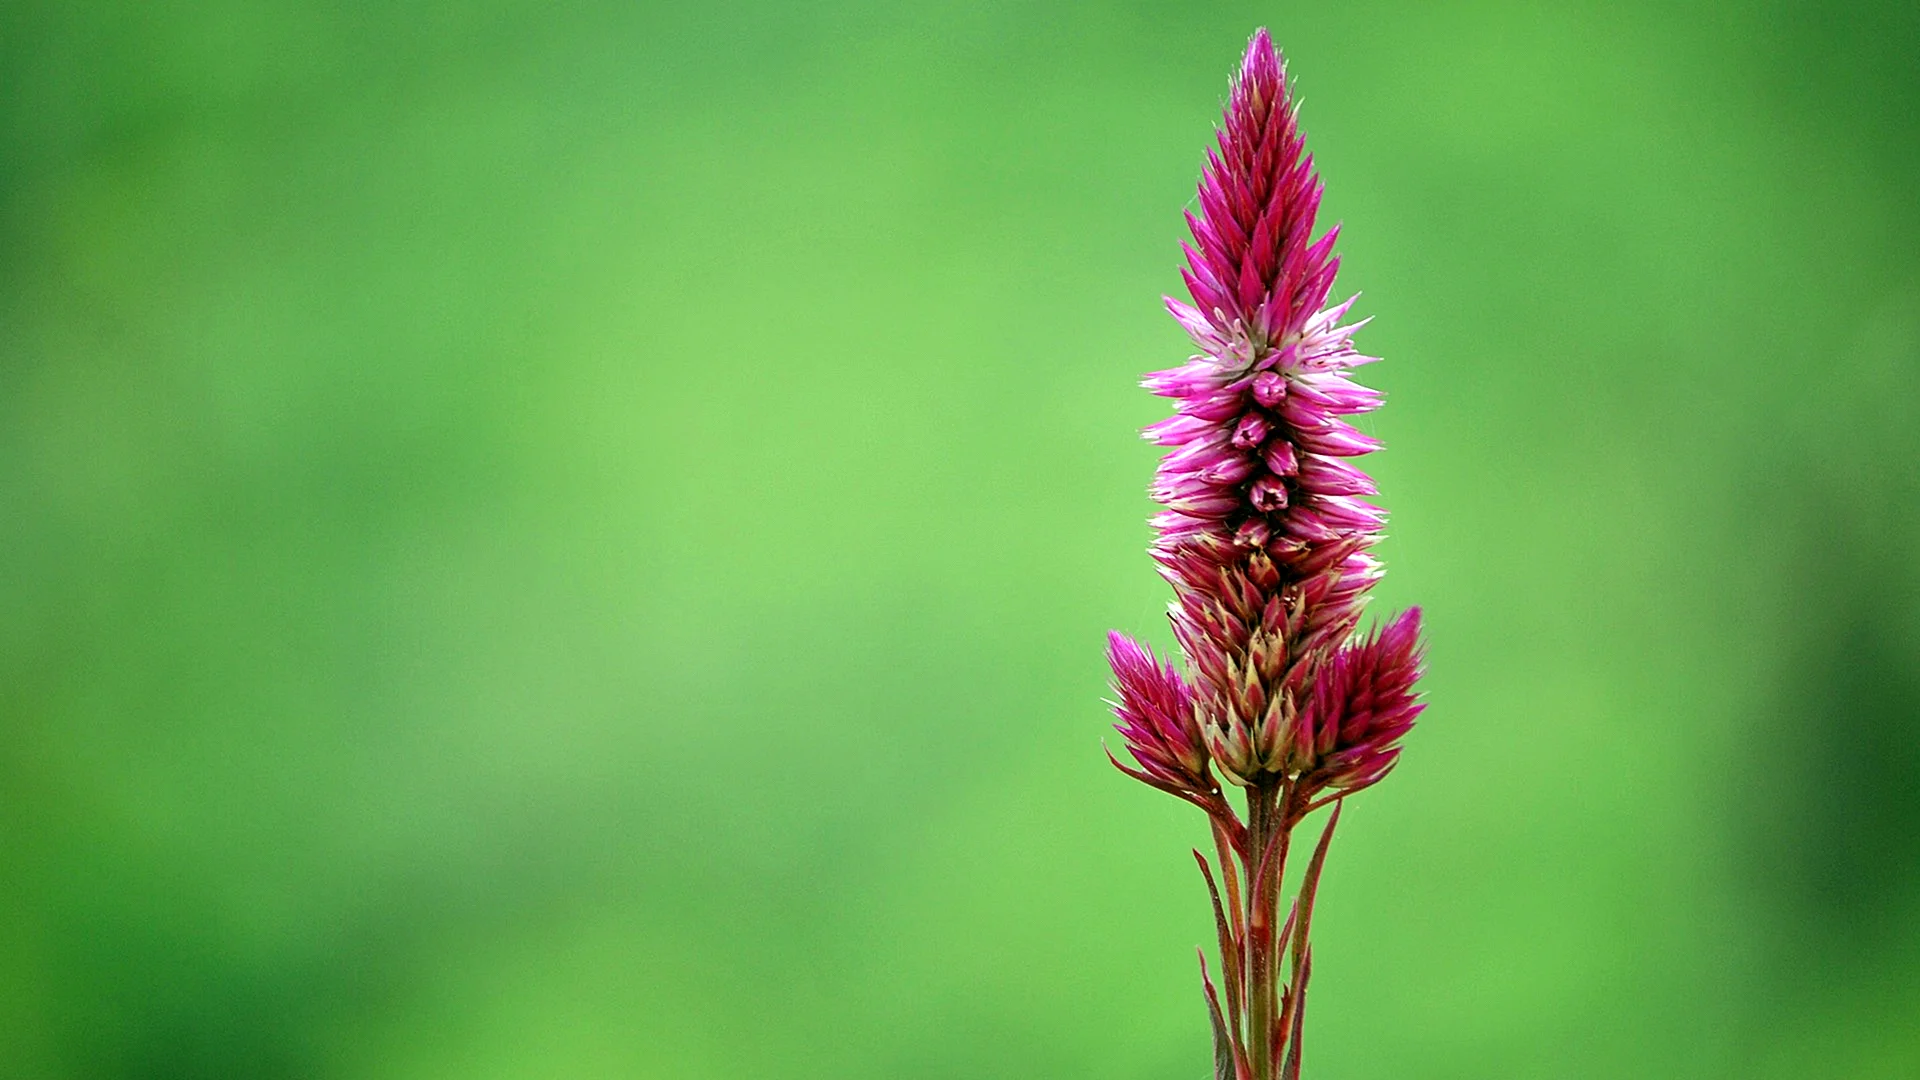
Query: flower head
[[1362, 704], [1265, 537], [1265, 534], [1155, 708]]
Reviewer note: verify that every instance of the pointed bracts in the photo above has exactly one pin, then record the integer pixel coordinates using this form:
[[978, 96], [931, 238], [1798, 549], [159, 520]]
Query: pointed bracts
[[1363, 703], [1155, 710]]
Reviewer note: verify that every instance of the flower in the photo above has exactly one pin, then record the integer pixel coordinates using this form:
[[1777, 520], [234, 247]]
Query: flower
[[1362, 704], [1265, 537], [1155, 708], [1265, 534]]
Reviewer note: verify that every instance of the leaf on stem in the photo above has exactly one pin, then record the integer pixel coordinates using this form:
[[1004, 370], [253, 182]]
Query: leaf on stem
[[1311, 885], [1292, 1069], [1225, 1060], [1229, 941]]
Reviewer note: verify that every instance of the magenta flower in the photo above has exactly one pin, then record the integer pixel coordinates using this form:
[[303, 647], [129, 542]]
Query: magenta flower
[[1265, 539], [1363, 702], [1156, 714]]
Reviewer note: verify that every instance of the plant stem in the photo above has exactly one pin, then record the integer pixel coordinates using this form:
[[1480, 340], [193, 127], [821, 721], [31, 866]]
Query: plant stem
[[1266, 859]]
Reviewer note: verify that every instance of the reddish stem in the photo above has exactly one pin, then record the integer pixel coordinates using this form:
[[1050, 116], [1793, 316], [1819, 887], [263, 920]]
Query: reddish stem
[[1267, 837]]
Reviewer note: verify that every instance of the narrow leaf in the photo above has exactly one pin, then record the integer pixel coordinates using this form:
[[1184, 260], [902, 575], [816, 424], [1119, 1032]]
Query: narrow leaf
[[1233, 960], [1292, 1069], [1229, 945], [1223, 1055], [1311, 885]]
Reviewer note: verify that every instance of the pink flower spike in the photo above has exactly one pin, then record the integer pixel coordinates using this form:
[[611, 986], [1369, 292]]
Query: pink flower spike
[[1363, 704], [1265, 535], [1261, 493], [1155, 710]]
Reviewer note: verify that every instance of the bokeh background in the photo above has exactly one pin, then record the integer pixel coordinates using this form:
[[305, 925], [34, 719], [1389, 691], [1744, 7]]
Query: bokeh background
[[573, 540]]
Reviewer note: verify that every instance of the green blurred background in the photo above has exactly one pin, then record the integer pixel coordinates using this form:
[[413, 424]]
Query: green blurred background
[[574, 541]]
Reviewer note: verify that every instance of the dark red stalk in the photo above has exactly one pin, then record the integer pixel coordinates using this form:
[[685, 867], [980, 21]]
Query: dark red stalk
[[1267, 834]]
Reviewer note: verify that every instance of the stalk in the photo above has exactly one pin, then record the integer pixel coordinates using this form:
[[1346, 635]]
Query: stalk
[[1267, 858]]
